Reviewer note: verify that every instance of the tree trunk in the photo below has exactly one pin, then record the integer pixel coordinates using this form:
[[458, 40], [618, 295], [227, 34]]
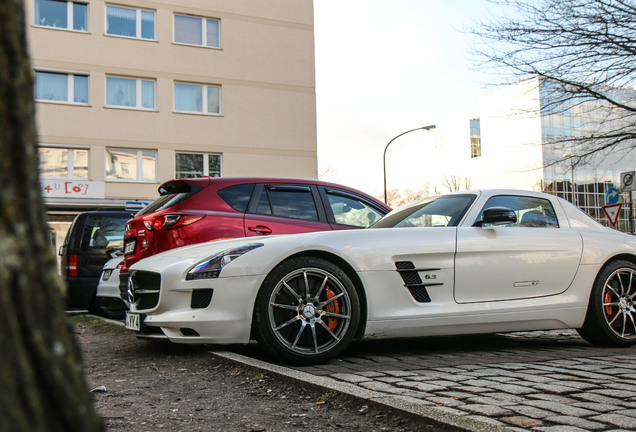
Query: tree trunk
[[42, 385]]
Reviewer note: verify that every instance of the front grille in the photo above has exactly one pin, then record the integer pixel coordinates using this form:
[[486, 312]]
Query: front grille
[[143, 289], [201, 298], [412, 281]]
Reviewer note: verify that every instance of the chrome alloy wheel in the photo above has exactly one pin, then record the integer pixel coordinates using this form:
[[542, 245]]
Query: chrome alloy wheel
[[618, 294], [309, 311]]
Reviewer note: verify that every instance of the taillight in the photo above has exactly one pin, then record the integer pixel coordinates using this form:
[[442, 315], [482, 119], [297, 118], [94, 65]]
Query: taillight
[[170, 221], [71, 265]]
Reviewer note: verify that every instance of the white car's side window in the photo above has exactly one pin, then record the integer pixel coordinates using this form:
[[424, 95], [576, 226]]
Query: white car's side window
[[531, 212]]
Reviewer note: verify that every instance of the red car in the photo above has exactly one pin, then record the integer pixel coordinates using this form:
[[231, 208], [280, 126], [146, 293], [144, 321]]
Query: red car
[[202, 209]]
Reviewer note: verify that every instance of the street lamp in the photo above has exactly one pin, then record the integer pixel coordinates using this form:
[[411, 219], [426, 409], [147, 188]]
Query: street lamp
[[571, 157], [427, 128]]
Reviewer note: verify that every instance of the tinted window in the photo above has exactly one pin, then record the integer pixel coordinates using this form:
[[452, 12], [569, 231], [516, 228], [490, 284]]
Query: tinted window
[[237, 196], [288, 202], [531, 212], [172, 193], [432, 212], [103, 231], [348, 210]]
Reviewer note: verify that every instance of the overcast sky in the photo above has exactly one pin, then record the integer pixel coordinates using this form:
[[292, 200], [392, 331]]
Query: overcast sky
[[384, 67]]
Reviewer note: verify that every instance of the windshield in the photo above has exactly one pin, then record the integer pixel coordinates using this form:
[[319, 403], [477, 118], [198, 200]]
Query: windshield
[[441, 211]]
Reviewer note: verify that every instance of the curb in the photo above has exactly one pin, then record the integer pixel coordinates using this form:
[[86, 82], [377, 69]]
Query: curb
[[403, 404]]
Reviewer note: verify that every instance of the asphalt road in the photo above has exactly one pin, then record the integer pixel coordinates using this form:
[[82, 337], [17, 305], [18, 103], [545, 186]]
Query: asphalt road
[[550, 381]]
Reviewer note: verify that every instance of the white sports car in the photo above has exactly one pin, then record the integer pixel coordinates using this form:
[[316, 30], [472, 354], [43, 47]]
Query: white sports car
[[471, 262]]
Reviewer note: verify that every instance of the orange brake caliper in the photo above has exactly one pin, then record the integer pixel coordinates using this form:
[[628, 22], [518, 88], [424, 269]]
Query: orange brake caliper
[[333, 307], [608, 299]]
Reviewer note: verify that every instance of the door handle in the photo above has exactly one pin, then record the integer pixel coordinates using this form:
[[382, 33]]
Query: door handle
[[260, 230]]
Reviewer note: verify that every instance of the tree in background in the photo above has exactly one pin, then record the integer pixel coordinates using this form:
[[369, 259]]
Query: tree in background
[[41, 377], [584, 54]]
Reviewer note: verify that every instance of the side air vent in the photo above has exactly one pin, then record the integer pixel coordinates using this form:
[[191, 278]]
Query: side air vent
[[201, 298], [413, 282]]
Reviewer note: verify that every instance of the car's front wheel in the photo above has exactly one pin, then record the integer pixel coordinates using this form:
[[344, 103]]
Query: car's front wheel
[[611, 313], [307, 311]]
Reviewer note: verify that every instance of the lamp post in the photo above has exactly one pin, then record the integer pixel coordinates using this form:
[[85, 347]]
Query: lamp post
[[571, 157], [427, 128]]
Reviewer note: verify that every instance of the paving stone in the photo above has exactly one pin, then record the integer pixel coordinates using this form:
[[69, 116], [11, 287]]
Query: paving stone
[[486, 420], [628, 413], [371, 374], [400, 373], [382, 387], [421, 386], [593, 397], [560, 429], [622, 386], [559, 408], [483, 400], [616, 420], [530, 411], [449, 410], [352, 378], [577, 422], [553, 388], [504, 398], [456, 394], [523, 422], [600, 408], [445, 401], [487, 410], [471, 389], [619, 394], [514, 389], [389, 380]]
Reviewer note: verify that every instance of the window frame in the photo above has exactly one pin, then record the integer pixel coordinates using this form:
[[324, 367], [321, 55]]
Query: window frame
[[70, 90], [206, 162], [70, 15], [204, 33], [519, 223], [326, 191], [138, 93], [139, 166], [204, 98], [262, 188], [138, 22], [70, 171]]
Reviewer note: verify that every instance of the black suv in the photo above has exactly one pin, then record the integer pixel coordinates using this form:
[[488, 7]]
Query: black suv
[[93, 239]]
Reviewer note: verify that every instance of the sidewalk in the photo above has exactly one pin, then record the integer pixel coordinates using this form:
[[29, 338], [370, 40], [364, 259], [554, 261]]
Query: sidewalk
[[539, 381]]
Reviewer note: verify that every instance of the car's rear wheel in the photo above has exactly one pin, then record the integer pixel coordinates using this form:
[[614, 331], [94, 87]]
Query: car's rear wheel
[[307, 311], [611, 313]]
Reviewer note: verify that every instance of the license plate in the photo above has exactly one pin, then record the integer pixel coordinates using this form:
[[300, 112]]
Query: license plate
[[129, 247], [133, 321]]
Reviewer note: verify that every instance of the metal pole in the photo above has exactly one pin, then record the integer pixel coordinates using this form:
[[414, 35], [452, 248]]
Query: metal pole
[[428, 128]]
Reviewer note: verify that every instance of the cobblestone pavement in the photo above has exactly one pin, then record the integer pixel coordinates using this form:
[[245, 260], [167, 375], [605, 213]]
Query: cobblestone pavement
[[540, 381]]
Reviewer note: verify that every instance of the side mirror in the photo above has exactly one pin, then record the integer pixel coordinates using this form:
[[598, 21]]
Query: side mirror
[[497, 216]]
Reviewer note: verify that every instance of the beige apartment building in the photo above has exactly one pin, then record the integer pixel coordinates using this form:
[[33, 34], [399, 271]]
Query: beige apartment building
[[132, 93]]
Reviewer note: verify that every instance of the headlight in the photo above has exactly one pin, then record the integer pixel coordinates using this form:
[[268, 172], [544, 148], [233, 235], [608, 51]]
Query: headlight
[[211, 267]]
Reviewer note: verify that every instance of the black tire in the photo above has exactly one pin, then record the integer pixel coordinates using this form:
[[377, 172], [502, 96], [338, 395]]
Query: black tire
[[307, 311], [611, 313]]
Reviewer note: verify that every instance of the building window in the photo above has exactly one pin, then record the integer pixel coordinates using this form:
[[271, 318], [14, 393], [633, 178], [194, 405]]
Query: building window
[[131, 164], [61, 87], [197, 98], [475, 138], [129, 22], [192, 165], [69, 15], [191, 30], [63, 162], [134, 93]]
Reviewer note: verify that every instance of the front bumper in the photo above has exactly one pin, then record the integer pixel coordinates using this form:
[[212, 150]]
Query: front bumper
[[180, 317]]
